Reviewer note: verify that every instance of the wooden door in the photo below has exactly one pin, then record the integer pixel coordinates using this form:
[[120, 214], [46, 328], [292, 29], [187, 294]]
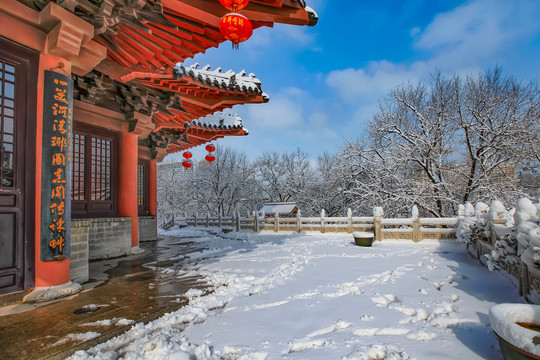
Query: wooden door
[[18, 79]]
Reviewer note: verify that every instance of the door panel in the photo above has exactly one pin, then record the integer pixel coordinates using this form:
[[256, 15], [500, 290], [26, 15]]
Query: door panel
[[18, 69]]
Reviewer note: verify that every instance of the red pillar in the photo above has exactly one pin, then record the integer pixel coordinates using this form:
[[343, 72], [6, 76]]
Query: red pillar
[[127, 182], [152, 190], [47, 273]]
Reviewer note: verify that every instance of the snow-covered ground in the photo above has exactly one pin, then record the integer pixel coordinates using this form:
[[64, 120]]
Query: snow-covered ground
[[319, 296]]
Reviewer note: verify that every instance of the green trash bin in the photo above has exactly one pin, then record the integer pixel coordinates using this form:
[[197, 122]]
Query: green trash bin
[[363, 238]]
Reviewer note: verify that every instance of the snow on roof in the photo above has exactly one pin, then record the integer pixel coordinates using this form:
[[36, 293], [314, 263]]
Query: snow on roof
[[278, 207], [220, 120], [229, 80]]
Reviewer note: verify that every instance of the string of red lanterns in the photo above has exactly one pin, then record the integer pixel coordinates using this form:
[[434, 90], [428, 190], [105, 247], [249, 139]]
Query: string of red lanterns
[[210, 157], [235, 27], [187, 163]]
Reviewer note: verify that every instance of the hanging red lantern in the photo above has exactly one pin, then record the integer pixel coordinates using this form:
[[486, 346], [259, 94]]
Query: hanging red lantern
[[187, 164], [210, 158], [236, 28], [234, 5], [187, 155], [210, 148]]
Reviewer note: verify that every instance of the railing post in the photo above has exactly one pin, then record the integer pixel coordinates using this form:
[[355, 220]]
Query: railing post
[[416, 230], [349, 221], [377, 218], [219, 219], [237, 221], [195, 219], [276, 222], [207, 219], [255, 221], [323, 214], [298, 222]]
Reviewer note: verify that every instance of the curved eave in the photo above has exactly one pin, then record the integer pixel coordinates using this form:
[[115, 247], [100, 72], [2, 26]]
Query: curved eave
[[198, 136], [180, 30]]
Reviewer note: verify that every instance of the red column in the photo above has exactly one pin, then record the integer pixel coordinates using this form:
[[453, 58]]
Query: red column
[[127, 182], [47, 273], [152, 190]]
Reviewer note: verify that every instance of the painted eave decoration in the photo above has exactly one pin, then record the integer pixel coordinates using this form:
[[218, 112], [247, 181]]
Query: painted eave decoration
[[147, 40], [153, 35]]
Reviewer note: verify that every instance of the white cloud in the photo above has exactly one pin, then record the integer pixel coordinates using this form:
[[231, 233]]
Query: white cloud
[[479, 32], [284, 110], [468, 39], [371, 83], [279, 113]]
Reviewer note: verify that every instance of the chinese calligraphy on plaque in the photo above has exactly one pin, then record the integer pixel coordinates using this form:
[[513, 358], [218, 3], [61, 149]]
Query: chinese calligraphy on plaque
[[56, 166]]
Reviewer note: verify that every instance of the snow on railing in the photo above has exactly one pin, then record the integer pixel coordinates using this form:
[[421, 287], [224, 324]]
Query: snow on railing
[[507, 240], [413, 228]]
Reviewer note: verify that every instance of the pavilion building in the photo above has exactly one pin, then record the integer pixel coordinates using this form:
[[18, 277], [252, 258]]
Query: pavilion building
[[91, 98]]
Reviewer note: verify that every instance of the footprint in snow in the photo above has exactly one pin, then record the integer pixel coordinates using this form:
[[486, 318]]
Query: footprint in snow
[[340, 325], [422, 336], [299, 345], [377, 352], [385, 299]]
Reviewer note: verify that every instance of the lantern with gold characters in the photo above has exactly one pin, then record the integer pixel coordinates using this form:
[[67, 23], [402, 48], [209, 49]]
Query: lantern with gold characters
[[236, 28]]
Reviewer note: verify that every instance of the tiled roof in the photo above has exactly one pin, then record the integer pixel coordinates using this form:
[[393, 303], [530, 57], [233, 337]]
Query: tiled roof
[[220, 120], [229, 80]]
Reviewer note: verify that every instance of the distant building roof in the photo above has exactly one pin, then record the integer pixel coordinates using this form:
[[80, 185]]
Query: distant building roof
[[278, 207]]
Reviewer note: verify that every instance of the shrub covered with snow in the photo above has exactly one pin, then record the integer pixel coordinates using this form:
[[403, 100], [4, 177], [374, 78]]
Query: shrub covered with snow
[[472, 226], [527, 223], [517, 231]]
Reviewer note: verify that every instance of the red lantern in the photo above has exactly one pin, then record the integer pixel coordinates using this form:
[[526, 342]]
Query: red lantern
[[236, 28], [187, 164], [234, 5], [210, 148], [187, 155], [210, 158]]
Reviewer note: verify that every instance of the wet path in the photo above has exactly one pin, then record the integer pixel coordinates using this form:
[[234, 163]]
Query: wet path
[[121, 292]]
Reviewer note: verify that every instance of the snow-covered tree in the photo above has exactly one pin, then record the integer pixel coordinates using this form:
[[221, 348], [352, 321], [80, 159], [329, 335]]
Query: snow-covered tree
[[329, 188], [499, 121], [284, 177], [442, 144], [225, 185]]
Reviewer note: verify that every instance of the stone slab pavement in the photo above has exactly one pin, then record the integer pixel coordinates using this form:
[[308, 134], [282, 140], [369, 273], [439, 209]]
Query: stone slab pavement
[[121, 288]]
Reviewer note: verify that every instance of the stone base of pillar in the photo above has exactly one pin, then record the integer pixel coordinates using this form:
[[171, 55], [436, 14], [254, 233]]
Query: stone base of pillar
[[40, 294], [136, 250]]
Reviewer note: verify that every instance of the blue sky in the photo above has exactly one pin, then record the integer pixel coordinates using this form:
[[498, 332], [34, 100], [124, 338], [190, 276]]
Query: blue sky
[[325, 82]]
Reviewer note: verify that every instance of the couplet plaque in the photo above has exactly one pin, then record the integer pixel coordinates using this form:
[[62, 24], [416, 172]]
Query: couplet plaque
[[56, 166]]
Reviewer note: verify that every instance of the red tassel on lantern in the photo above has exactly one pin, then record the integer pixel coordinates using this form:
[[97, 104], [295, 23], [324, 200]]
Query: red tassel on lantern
[[234, 5], [236, 28]]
